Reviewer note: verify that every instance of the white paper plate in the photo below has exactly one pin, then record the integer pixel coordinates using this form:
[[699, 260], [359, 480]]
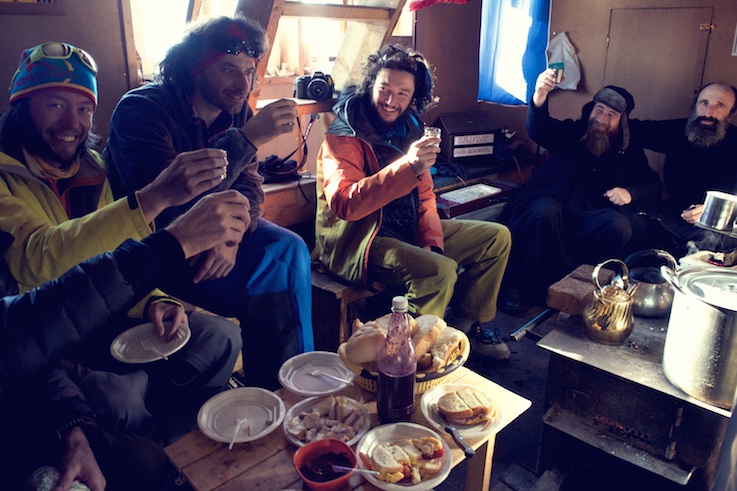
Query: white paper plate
[[398, 431], [127, 346], [294, 377], [306, 404], [428, 405], [216, 418]]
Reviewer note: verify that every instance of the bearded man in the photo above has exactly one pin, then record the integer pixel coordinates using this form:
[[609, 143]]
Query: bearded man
[[376, 215], [579, 205], [199, 101], [57, 211], [700, 156]]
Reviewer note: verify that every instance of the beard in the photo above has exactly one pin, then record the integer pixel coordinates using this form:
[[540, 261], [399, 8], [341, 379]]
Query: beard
[[382, 126], [597, 141], [33, 142], [705, 136], [215, 97]]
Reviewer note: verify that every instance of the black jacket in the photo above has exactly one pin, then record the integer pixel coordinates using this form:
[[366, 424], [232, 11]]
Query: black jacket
[[39, 327], [689, 171], [574, 176], [154, 123]]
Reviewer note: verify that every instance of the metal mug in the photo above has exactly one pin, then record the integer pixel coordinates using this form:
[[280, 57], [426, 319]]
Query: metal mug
[[720, 211]]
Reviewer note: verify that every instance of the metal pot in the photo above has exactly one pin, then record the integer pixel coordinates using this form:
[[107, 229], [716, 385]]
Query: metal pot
[[720, 211], [700, 354], [654, 295]]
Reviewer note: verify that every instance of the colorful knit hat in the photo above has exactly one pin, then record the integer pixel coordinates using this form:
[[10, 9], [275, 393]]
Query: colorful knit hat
[[55, 65]]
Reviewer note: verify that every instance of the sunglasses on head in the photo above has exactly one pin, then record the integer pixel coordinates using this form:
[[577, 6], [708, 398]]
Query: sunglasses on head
[[411, 61], [61, 51], [234, 46]]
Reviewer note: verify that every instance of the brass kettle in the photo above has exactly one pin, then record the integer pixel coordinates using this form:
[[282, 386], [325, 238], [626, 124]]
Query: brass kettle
[[608, 318]]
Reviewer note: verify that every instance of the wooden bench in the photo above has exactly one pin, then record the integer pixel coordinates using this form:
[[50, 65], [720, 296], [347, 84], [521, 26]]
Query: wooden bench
[[335, 304]]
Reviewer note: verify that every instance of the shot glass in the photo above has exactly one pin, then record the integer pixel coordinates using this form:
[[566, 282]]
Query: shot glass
[[558, 67], [432, 131]]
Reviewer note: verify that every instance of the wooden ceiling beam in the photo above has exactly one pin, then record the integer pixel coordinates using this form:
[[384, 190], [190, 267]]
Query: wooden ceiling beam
[[339, 12], [266, 13]]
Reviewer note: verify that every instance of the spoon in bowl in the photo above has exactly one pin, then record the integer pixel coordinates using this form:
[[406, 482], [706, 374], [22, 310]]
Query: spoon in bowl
[[343, 468]]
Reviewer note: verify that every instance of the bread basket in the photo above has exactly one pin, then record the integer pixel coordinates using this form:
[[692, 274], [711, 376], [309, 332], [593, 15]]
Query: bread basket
[[424, 380]]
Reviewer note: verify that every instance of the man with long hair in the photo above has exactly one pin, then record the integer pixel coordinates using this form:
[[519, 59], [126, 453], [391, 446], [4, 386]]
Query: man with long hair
[[700, 156], [377, 219], [579, 205], [56, 211], [56, 204], [199, 100]]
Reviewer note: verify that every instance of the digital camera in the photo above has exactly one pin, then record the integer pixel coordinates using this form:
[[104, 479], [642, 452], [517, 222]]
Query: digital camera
[[318, 86]]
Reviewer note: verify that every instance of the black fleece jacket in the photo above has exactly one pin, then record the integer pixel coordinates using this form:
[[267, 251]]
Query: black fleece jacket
[[576, 177]]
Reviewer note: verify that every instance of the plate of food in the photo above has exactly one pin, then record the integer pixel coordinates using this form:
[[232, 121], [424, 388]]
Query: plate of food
[[472, 411], [317, 418], [141, 344], [440, 349], [316, 373], [263, 411], [408, 457]]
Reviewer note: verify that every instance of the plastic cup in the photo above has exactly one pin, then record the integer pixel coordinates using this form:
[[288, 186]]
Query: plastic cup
[[432, 131]]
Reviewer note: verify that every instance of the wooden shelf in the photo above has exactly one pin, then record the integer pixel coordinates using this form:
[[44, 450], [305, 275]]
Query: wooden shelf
[[304, 106], [290, 202]]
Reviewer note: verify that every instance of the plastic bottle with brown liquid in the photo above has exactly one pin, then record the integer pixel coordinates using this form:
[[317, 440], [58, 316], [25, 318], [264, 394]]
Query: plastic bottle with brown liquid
[[397, 368]]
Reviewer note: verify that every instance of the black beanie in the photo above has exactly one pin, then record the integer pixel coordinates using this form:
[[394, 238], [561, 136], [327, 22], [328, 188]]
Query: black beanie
[[621, 101]]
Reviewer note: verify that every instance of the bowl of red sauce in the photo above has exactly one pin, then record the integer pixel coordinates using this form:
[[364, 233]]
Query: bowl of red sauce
[[314, 463]]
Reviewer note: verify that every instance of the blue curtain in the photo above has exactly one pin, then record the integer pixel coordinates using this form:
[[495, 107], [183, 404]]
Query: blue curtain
[[514, 37]]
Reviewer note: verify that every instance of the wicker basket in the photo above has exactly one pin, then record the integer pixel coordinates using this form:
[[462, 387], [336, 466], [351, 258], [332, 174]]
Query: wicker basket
[[424, 380]]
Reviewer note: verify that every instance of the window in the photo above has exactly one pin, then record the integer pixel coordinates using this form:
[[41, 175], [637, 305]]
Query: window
[[514, 34], [302, 45], [153, 37]]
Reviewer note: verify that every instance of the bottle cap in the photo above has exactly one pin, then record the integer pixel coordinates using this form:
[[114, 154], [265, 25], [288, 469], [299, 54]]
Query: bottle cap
[[400, 303]]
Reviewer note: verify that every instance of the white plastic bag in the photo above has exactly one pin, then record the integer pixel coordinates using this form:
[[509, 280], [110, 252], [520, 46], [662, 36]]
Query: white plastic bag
[[563, 57]]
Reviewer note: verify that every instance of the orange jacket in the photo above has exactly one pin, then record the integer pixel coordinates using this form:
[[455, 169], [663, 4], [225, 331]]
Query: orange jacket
[[351, 191]]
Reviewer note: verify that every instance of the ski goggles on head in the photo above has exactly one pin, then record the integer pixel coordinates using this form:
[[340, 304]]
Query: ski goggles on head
[[61, 51]]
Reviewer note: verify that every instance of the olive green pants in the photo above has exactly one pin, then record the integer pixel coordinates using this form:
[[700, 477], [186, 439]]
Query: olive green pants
[[468, 273]]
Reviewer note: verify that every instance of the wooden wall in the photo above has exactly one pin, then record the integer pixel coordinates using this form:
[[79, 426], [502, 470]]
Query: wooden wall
[[94, 25], [448, 34], [586, 22]]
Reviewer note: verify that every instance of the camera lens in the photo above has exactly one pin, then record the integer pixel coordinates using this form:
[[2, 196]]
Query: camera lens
[[318, 89]]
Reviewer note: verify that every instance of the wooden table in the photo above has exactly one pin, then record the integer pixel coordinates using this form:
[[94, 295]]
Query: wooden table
[[266, 463]]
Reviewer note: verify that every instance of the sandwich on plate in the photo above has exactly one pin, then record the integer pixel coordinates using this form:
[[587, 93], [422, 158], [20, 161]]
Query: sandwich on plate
[[467, 406], [411, 459]]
